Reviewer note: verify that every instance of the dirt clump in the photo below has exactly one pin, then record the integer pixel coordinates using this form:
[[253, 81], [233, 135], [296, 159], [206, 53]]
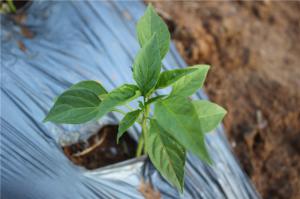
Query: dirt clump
[[254, 51]]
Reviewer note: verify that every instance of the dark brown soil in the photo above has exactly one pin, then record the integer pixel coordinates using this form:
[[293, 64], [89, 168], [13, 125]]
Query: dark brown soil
[[254, 51], [101, 149]]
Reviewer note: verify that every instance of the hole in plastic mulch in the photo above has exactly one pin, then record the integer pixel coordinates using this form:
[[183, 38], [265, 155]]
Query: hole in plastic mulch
[[101, 149]]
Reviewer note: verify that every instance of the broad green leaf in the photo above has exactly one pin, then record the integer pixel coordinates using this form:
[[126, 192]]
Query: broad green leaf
[[92, 86], [167, 78], [190, 83], [116, 97], [209, 114], [150, 24], [147, 65], [128, 120], [178, 116], [74, 106], [167, 155]]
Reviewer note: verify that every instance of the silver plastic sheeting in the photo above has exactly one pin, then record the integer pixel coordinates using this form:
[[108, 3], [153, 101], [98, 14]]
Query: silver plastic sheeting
[[76, 41]]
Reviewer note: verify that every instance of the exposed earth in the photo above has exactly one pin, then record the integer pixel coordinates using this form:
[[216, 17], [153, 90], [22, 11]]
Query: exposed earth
[[101, 149], [254, 51]]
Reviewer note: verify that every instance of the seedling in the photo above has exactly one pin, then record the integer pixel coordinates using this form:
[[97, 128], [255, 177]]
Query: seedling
[[176, 125]]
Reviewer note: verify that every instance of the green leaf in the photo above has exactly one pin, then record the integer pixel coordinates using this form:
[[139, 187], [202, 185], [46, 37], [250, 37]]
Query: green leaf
[[128, 120], [73, 107], [178, 116], [209, 114], [167, 78], [147, 65], [116, 97], [167, 155], [190, 83], [92, 86], [150, 24]]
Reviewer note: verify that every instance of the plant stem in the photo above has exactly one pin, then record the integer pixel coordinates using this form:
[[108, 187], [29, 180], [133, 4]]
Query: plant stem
[[143, 136], [11, 6], [140, 146]]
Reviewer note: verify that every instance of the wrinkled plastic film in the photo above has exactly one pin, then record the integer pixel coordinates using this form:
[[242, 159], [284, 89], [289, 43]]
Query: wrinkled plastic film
[[77, 41]]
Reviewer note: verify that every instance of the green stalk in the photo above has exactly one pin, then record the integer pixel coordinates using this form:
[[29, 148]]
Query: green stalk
[[141, 145], [11, 6]]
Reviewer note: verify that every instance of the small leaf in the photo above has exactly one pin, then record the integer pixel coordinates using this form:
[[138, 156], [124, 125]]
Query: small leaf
[[167, 155], [118, 96], [178, 116], [92, 86], [150, 24], [147, 65], [209, 114], [73, 107], [190, 83], [141, 105], [155, 99], [128, 120], [167, 78]]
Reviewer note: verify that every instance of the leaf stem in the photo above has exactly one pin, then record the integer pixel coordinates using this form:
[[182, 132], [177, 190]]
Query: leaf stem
[[119, 111], [124, 113], [129, 107]]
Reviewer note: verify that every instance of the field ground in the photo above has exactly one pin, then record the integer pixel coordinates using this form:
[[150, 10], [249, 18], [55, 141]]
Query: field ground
[[254, 51]]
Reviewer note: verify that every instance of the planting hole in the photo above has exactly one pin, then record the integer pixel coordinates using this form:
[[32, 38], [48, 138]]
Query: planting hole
[[101, 149]]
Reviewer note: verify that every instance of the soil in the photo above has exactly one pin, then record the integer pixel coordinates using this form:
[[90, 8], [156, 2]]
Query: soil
[[101, 149], [148, 191], [254, 51]]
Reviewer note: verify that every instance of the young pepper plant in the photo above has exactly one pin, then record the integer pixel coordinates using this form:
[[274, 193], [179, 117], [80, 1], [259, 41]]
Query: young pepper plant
[[177, 124]]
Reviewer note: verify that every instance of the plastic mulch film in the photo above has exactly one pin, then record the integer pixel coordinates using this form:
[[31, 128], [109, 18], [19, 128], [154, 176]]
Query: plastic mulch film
[[76, 41]]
